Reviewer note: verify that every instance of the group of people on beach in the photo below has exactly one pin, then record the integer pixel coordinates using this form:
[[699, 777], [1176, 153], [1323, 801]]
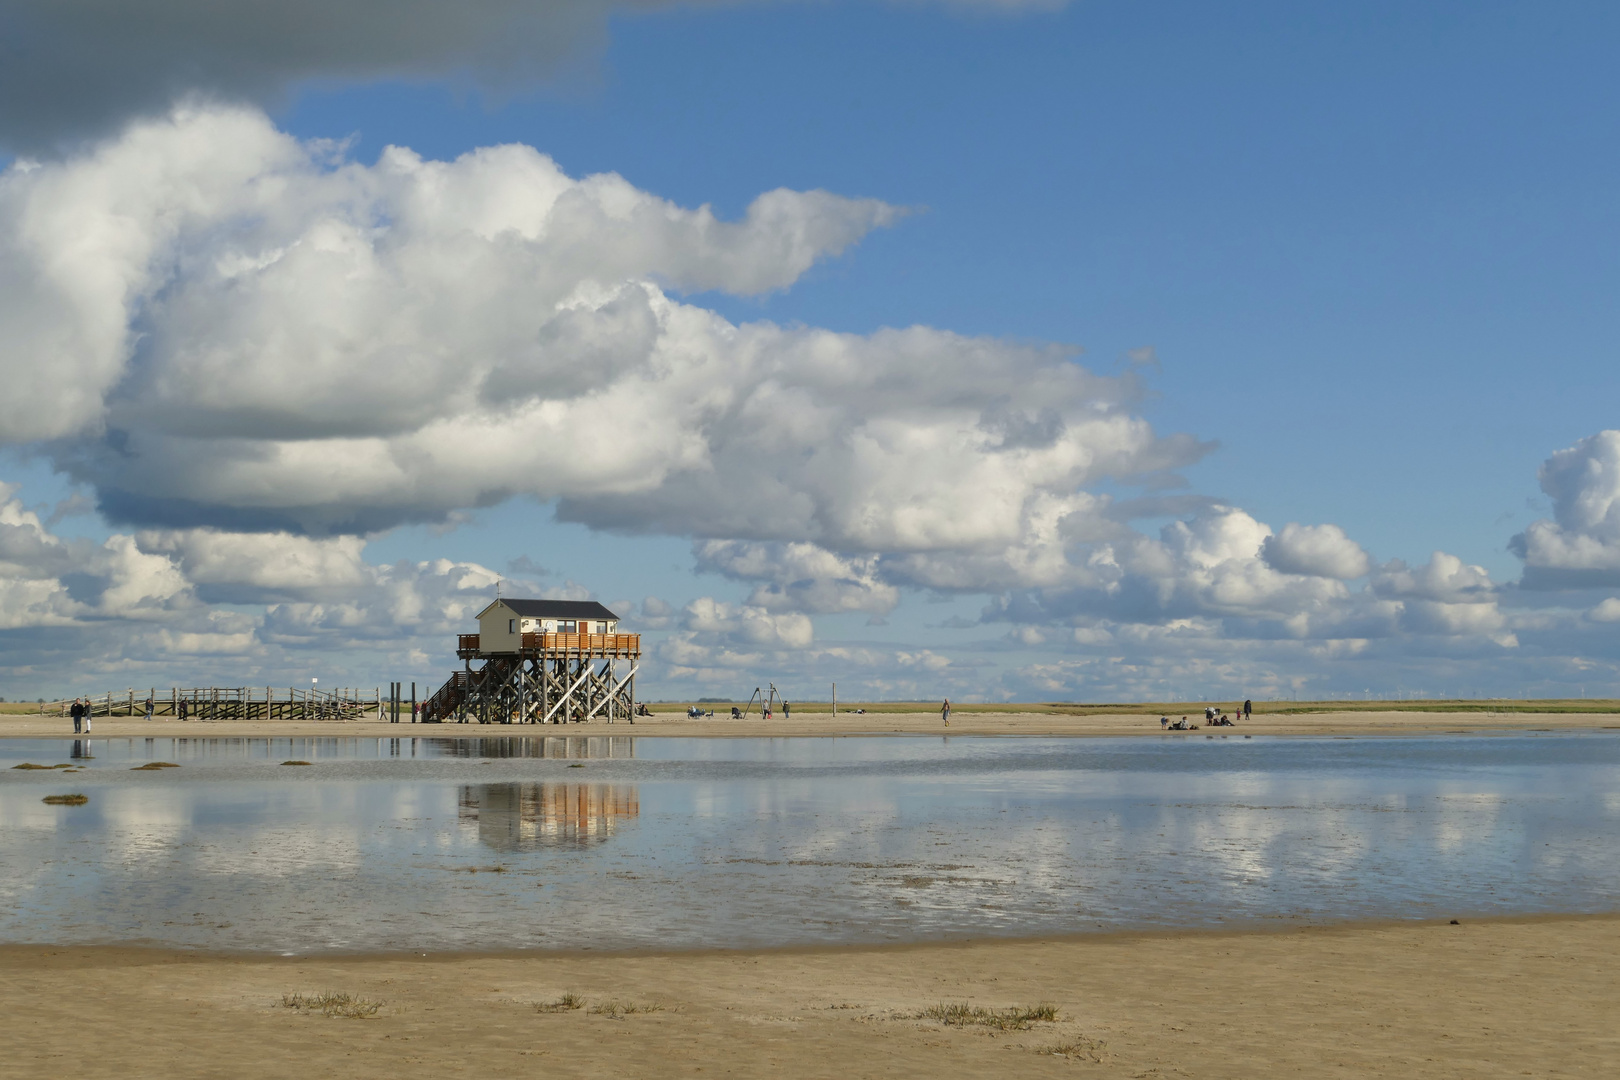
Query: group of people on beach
[[1213, 717]]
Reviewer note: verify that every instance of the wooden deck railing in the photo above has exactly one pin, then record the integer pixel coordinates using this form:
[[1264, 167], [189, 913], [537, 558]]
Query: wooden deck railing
[[596, 644], [616, 645]]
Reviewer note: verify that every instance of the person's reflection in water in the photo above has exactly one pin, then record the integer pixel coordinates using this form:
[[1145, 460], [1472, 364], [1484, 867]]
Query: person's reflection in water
[[529, 816], [81, 749]]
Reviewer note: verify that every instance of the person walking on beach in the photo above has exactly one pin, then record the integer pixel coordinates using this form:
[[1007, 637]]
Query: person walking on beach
[[945, 712], [787, 710], [1248, 708], [182, 708], [149, 706], [78, 716]]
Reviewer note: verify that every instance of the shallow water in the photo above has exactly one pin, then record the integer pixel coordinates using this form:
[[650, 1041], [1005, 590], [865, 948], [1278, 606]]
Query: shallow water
[[623, 842]]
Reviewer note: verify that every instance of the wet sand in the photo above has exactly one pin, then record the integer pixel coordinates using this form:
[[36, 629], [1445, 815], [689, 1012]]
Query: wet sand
[[810, 723], [1508, 998]]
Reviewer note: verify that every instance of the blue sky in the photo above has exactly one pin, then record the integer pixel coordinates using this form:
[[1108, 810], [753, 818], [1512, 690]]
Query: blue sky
[[1372, 250]]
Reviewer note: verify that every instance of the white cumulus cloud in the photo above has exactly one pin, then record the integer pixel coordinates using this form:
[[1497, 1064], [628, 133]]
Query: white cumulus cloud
[[1581, 545], [800, 577], [225, 328], [1315, 550]]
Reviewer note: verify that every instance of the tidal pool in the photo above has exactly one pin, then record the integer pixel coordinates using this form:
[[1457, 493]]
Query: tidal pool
[[624, 842]]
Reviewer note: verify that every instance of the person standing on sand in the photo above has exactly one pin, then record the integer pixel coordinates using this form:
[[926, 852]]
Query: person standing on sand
[[787, 711], [149, 706], [1248, 708], [945, 712], [78, 716]]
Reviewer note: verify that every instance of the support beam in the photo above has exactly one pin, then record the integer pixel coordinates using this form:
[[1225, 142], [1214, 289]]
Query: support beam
[[614, 692], [569, 693]]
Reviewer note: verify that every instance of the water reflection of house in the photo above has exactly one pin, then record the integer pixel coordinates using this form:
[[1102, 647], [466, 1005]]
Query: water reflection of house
[[522, 817], [587, 747]]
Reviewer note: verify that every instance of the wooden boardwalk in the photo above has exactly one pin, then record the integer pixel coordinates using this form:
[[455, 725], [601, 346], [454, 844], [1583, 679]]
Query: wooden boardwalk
[[231, 703]]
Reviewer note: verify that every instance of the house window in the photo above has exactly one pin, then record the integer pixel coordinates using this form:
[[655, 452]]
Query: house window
[[565, 626], [511, 626]]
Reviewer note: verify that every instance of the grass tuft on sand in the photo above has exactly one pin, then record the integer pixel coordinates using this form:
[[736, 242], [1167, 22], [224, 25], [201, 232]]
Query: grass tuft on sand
[[1079, 1047], [295, 763], [152, 766], [961, 1014], [345, 1006], [31, 765], [66, 800], [613, 1008], [567, 1003]]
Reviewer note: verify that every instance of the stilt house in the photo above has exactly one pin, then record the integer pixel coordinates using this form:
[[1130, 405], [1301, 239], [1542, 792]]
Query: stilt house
[[542, 661]]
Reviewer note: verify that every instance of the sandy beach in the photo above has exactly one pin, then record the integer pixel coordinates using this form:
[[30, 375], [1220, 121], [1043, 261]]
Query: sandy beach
[[667, 722], [1505, 998]]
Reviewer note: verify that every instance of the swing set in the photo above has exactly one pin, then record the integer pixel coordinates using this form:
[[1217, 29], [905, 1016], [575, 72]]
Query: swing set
[[767, 703]]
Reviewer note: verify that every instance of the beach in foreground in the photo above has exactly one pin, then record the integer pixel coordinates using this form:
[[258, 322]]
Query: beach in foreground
[[667, 721], [1508, 998]]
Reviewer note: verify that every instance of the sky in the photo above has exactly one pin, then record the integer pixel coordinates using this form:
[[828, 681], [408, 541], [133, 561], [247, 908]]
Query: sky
[[1000, 350]]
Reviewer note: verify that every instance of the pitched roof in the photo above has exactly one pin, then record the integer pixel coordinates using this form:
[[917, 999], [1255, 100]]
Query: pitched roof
[[556, 609]]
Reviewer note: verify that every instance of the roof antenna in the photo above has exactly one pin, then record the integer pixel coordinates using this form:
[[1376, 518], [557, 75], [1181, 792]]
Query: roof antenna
[[497, 588]]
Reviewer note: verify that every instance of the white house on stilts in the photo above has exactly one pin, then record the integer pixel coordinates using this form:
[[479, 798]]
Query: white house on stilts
[[542, 661]]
